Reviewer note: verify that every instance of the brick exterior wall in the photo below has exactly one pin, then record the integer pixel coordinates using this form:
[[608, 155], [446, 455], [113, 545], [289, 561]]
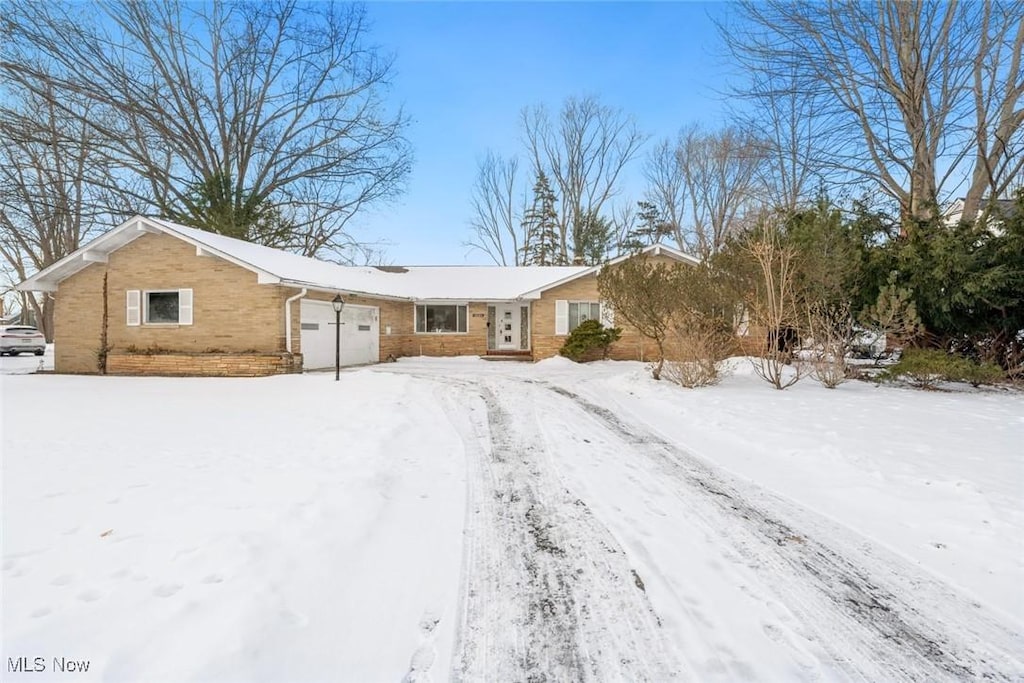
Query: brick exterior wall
[[203, 364], [231, 312], [405, 341], [78, 321], [754, 343], [239, 325], [631, 346]]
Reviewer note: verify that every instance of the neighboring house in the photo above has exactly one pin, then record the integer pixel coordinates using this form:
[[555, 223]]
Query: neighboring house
[[998, 211], [154, 297]]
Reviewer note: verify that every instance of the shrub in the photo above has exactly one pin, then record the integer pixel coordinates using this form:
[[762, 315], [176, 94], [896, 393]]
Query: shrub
[[831, 327], [977, 374], [695, 348], [773, 304], [925, 368], [646, 295], [698, 372], [588, 337]]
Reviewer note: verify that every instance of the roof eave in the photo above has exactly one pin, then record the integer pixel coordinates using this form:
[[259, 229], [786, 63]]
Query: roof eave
[[536, 293], [34, 284], [264, 277], [96, 250], [319, 287], [655, 249]]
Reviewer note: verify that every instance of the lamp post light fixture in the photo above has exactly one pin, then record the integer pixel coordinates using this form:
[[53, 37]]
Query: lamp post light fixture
[[338, 304]]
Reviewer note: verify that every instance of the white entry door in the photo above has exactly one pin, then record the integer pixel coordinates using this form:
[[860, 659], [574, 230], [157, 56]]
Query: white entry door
[[360, 335], [507, 318]]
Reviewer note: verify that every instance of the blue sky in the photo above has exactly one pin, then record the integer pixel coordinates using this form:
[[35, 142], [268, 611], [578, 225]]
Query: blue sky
[[464, 71]]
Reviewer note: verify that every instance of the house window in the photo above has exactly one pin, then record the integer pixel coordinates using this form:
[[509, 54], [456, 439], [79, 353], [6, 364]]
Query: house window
[[162, 307], [580, 311], [434, 319], [158, 307]]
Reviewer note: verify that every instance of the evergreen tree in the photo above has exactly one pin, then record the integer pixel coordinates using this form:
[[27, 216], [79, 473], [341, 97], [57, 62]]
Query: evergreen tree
[[541, 243], [216, 205], [650, 229], [592, 238], [968, 285], [828, 251]]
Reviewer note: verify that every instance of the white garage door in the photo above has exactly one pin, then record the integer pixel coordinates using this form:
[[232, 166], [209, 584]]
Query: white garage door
[[360, 335]]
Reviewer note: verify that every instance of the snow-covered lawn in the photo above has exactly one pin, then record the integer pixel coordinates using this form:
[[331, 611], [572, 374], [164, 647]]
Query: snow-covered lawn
[[280, 529], [442, 518], [27, 363]]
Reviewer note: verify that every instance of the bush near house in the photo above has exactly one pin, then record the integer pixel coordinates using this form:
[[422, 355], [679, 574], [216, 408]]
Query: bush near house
[[926, 368], [680, 308], [589, 341], [695, 348]]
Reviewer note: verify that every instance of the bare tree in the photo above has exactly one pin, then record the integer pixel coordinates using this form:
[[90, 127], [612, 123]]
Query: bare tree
[[720, 170], [584, 153], [998, 87], [914, 95], [497, 213], [784, 124], [54, 192], [832, 331], [774, 305], [226, 110], [696, 346], [666, 186], [624, 221]]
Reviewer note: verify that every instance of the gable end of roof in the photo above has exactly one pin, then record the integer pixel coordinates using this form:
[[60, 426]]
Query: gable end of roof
[[652, 250], [98, 250]]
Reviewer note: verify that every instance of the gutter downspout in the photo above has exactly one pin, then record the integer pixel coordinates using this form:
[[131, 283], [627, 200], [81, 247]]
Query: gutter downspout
[[288, 319]]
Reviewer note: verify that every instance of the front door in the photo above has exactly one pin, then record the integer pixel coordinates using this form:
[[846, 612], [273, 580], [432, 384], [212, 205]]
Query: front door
[[507, 319]]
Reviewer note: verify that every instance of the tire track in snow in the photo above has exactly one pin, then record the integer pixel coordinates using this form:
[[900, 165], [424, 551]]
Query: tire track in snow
[[876, 617], [548, 593], [901, 640]]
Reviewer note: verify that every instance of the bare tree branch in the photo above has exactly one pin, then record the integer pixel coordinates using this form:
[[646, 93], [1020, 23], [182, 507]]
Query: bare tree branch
[[54, 193], [666, 186], [910, 96], [282, 99], [584, 154], [720, 171], [497, 214]]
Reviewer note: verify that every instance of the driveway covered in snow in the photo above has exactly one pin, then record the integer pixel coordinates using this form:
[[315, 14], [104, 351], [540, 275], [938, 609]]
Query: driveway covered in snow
[[495, 521]]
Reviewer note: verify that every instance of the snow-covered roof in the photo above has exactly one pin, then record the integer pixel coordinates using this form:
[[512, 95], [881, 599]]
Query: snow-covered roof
[[479, 283], [273, 266], [483, 283], [1001, 208]]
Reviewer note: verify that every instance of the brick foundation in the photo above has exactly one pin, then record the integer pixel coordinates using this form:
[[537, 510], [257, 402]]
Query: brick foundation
[[203, 364]]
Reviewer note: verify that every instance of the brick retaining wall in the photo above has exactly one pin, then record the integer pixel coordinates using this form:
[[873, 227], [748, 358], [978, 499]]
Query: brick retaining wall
[[203, 364]]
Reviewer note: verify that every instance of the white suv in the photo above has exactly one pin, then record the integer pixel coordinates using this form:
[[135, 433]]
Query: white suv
[[17, 339]]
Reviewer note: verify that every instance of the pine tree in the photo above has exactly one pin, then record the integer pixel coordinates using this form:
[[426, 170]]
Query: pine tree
[[541, 244], [592, 239], [894, 314], [651, 228]]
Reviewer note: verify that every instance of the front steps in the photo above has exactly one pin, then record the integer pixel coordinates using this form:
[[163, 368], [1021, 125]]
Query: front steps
[[508, 355]]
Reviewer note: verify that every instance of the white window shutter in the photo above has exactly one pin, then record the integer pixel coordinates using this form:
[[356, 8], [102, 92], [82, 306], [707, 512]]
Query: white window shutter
[[184, 306], [133, 314], [607, 315], [561, 317]]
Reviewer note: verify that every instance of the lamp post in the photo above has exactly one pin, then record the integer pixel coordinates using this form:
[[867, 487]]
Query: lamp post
[[338, 304]]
